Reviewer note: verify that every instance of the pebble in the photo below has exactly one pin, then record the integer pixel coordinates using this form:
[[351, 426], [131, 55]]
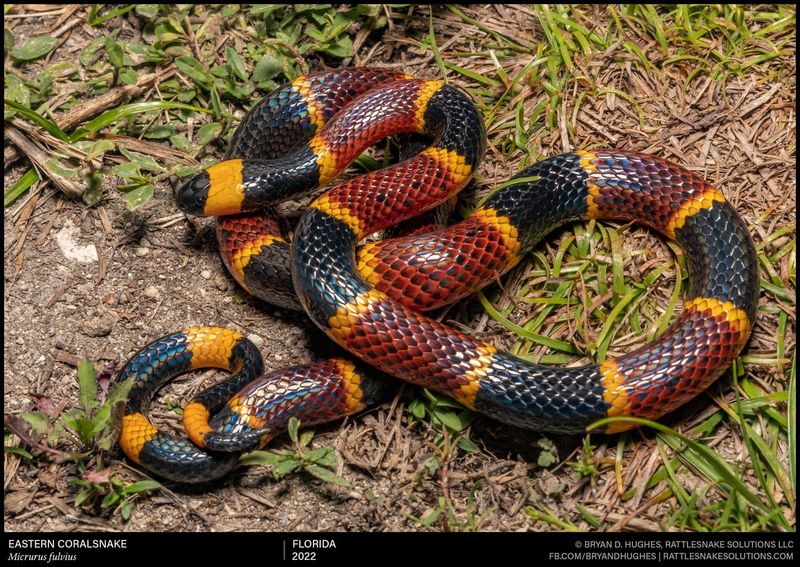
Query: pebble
[[222, 283], [100, 326], [550, 484], [142, 251], [152, 292], [205, 274], [257, 340]]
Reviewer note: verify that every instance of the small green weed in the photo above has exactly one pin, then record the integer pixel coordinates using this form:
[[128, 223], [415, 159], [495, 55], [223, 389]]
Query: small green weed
[[99, 486], [319, 462], [82, 435], [471, 522]]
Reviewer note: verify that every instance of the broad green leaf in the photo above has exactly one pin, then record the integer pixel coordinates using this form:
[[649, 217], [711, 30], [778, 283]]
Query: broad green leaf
[[80, 425], [8, 41], [100, 419], [264, 9], [128, 76], [229, 10], [324, 456], [55, 165], [179, 142], [119, 392], [316, 35], [261, 458], [450, 419], [430, 517], [128, 170], [37, 47], [193, 69], [208, 132], [83, 496], [327, 475], [17, 90], [125, 510], [98, 148], [466, 444], [292, 428], [417, 409], [144, 161], [87, 384], [38, 421], [305, 438], [142, 486], [186, 96], [342, 48], [160, 132], [139, 196], [240, 92], [235, 63], [114, 51], [10, 450], [440, 401], [285, 467], [146, 10], [548, 454], [110, 499]]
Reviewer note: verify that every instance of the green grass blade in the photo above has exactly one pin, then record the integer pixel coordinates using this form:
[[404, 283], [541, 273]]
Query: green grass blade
[[605, 336], [477, 77], [51, 127], [522, 332], [435, 48], [18, 189], [111, 116], [710, 464]]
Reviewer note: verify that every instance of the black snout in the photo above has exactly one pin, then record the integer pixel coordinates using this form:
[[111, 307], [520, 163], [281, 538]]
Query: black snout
[[191, 197]]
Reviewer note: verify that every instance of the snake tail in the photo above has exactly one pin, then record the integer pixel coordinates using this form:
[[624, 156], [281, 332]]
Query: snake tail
[[250, 407]]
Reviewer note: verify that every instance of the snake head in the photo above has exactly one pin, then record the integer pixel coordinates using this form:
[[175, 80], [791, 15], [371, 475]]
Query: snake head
[[192, 196]]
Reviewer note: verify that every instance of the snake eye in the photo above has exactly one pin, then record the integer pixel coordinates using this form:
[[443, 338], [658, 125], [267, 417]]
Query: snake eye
[[191, 197]]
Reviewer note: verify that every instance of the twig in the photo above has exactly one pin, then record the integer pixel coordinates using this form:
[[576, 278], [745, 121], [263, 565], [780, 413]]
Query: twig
[[39, 156]]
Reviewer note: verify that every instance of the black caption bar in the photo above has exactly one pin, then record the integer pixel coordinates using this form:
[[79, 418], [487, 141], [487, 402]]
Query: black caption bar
[[90, 548]]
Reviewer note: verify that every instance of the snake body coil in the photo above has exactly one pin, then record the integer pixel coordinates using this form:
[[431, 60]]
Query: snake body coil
[[369, 300]]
